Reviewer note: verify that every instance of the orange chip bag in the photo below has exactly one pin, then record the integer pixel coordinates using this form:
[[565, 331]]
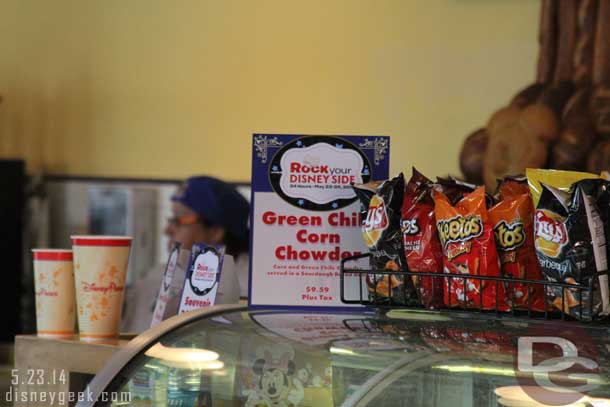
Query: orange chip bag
[[513, 224], [513, 186], [467, 240]]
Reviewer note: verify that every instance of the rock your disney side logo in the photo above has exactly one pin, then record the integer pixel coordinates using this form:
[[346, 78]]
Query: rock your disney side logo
[[316, 172], [204, 274]]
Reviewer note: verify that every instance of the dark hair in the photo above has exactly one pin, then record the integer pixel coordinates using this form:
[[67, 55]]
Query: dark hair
[[233, 245], [236, 246]]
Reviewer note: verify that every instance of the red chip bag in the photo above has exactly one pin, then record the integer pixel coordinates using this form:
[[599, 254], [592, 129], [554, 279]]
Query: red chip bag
[[420, 239], [513, 224], [468, 245]]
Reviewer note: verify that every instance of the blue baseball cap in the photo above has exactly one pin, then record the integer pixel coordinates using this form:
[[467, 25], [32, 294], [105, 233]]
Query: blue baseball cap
[[217, 202]]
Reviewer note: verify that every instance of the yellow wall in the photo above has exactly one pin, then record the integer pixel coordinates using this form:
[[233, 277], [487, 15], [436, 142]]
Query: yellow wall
[[158, 88]]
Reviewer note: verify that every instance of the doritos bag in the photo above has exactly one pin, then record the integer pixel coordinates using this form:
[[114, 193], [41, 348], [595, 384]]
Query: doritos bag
[[468, 245], [382, 235], [570, 245], [420, 239], [513, 224]]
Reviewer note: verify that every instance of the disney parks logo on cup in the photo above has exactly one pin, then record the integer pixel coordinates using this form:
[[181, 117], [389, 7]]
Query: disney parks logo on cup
[[92, 287], [555, 370]]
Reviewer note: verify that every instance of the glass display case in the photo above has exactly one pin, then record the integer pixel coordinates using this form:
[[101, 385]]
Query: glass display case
[[231, 356]]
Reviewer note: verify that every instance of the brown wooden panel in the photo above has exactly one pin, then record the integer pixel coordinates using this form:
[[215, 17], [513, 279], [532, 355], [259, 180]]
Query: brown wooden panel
[[547, 38]]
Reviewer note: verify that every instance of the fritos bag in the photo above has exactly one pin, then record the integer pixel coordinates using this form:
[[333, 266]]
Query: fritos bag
[[467, 240], [382, 235], [420, 239], [570, 245], [513, 224]]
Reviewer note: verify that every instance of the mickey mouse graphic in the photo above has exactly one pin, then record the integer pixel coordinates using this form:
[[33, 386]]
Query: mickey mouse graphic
[[276, 387]]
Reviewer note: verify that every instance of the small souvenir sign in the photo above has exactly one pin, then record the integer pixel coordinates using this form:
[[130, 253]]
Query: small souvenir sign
[[203, 277]]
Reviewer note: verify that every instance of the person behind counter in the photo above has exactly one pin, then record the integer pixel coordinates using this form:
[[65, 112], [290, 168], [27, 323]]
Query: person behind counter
[[204, 210]]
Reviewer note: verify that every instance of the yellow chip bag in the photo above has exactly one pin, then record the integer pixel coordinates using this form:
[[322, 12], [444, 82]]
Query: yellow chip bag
[[561, 180]]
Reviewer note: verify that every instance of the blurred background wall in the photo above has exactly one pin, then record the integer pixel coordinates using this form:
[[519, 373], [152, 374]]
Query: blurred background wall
[[164, 89]]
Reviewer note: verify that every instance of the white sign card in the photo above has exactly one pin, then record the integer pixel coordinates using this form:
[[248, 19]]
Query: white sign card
[[305, 215], [203, 277], [170, 291]]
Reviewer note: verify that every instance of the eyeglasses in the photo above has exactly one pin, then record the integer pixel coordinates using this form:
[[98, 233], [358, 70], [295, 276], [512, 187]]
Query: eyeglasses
[[183, 220]]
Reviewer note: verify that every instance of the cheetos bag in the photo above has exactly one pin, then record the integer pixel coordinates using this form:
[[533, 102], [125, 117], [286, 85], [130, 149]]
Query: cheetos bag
[[468, 245]]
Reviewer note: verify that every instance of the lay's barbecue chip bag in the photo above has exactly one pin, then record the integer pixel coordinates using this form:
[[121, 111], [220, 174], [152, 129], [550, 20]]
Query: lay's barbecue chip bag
[[467, 241], [559, 179], [570, 245]]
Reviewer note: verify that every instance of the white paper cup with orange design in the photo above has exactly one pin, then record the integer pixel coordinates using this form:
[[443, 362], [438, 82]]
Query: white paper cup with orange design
[[54, 292], [100, 267]]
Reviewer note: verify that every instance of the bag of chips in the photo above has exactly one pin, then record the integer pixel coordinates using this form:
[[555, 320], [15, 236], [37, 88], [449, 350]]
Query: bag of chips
[[420, 239], [455, 190], [570, 245], [383, 236], [559, 179], [513, 224], [511, 186], [468, 245], [599, 190], [365, 192]]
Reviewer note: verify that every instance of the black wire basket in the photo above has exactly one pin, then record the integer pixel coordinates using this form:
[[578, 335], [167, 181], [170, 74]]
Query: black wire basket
[[583, 310]]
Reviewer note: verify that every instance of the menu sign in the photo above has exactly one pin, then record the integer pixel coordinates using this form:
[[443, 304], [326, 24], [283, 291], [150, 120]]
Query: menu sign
[[203, 277], [305, 215]]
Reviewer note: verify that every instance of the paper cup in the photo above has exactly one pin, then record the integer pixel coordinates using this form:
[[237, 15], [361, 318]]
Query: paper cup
[[100, 267], [54, 291]]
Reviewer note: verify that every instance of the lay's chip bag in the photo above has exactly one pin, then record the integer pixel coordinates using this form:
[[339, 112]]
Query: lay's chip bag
[[383, 236], [513, 223], [571, 249], [562, 180], [467, 241], [420, 238]]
